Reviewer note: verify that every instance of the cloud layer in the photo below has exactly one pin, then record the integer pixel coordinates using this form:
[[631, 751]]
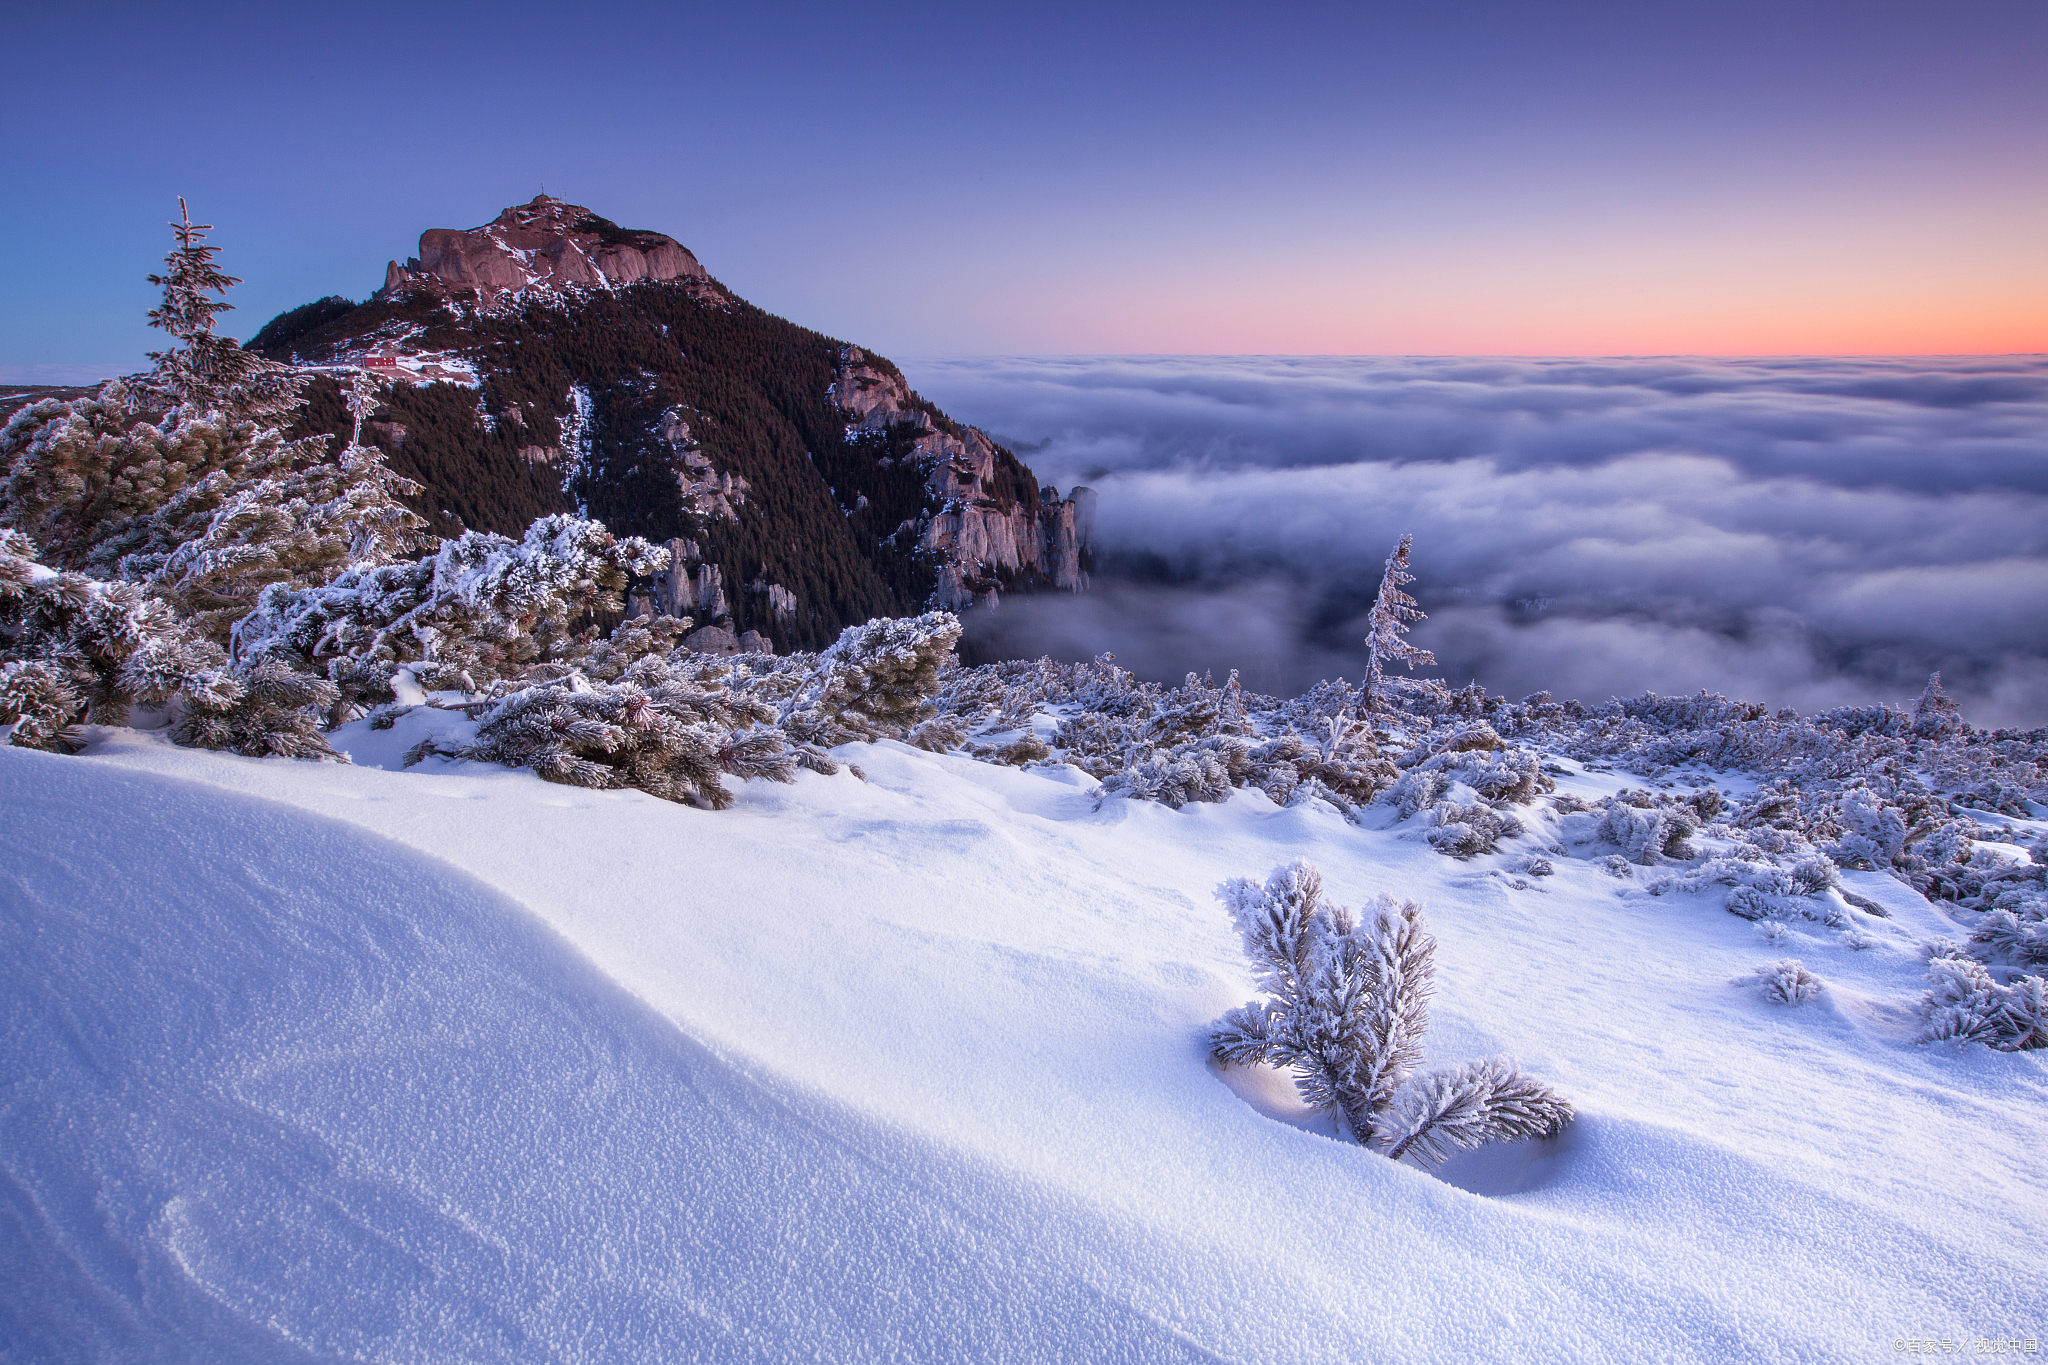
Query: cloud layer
[[1803, 532]]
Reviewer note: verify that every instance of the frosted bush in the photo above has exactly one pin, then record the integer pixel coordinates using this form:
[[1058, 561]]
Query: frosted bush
[[74, 649], [271, 711], [1464, 831], [2004, 935], [1505, 775], [481, 609], [1787, 982], [1347, 1001], [651, 729], [876, 681], [1647, 831], [1966, 1004], [1873, 834]]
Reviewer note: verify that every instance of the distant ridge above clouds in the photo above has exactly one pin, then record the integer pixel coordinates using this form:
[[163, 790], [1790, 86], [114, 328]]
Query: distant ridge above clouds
[[1803, 531]]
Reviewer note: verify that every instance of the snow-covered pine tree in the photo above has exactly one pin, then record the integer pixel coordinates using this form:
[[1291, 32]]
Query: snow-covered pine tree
[[480, 610], [183, 480], [1393, 611], [204, 371], [1349, 1002], [876, 681], [1935, 714], [653, 728]]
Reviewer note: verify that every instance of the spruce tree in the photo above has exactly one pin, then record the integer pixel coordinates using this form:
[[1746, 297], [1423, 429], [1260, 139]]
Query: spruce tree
[[1393, 611]]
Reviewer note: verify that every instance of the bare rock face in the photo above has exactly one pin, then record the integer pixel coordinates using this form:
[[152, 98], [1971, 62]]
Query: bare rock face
[[542, 246], [971, 533], [714, 640]]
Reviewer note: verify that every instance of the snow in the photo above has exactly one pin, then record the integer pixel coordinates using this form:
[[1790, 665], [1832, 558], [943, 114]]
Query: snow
[[307, 1062]]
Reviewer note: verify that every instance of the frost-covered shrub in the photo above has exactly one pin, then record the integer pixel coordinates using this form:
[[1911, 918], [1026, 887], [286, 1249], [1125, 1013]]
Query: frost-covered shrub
[[651, 729], [1966, 1004], [74, 649], [1873, 833], [1463, 831], [1204, 770], [482, 608], [1497, 774], [2004, 935], [1210, 769], [942, 734], [1813, 876], [1347, 1004], [1755, 903], [274, 711], [875, 682], [1787, 982], [1614, 865], [1650, 832]]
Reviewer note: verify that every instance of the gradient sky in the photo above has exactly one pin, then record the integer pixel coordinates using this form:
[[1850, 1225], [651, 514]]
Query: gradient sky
[[1538, 178]]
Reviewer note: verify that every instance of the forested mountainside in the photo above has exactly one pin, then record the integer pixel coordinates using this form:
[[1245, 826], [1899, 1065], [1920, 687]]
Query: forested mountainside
[[551, 361]]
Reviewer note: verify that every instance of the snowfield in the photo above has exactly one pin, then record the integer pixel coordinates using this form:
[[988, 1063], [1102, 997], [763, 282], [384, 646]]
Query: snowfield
[[312, 1062]]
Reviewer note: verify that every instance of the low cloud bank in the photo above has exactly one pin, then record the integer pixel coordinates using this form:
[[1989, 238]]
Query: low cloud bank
[[1803, 532]]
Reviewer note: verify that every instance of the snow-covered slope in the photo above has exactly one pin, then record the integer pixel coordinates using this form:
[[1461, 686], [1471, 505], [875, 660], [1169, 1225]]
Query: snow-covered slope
[[306, 1061]]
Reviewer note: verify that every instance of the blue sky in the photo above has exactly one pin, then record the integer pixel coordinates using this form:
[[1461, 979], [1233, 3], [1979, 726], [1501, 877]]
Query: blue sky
[[1535, 178]]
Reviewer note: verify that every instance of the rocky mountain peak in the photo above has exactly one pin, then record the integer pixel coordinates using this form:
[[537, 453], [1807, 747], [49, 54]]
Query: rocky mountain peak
[[543, 245]]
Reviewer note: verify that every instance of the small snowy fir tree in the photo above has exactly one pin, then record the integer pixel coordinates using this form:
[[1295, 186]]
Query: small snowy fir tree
[[1348, 1001], [1393, 611], [1935, 714], [361, 399]]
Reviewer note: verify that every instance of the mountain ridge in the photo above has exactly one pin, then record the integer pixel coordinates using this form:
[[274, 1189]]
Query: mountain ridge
[[552, 361]]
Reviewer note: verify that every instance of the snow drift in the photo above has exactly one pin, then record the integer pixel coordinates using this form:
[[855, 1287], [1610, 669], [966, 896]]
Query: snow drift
[[318, 1062]]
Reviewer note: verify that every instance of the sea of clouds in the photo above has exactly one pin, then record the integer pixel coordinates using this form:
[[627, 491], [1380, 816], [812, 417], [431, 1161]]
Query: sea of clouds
[[1802, 532]]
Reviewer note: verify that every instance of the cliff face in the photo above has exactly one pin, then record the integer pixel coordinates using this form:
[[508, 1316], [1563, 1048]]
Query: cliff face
[[543, 246], [982, 538], [552, 361]]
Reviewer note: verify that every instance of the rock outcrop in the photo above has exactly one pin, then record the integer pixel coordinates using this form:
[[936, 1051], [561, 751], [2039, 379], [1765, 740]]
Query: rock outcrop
[[543, 245], [980, 537]]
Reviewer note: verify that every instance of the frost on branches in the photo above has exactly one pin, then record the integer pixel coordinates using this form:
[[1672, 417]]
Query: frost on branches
[[183, 481], [1966, 1003], [75, 650], [481, 609], [1393, 611], [876, 681], [1347, 1004], [654, 728]]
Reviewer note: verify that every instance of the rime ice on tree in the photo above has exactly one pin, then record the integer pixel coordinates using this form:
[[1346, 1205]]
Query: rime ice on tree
[[1349, 1002], [1393, 611]]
